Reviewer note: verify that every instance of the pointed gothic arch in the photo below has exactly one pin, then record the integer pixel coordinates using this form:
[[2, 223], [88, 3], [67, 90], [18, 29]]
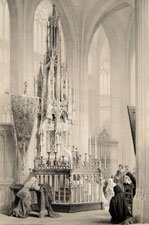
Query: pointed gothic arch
[[99, 72]]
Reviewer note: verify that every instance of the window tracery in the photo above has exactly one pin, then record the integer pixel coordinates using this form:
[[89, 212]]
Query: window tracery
[[104, 89], [40, 25], [105, 79]]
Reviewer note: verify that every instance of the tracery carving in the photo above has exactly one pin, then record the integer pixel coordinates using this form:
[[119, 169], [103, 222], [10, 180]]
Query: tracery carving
[[55, 91]]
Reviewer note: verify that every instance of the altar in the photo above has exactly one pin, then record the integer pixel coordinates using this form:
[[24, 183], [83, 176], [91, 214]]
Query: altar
[[75, 179], [77, 186]]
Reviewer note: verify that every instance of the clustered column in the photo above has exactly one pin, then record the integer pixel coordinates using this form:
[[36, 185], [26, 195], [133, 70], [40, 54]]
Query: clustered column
[[141, 203]]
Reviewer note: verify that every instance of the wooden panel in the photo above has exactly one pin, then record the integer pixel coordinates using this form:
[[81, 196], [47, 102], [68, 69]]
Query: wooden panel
[[132, 120], [2, 152]]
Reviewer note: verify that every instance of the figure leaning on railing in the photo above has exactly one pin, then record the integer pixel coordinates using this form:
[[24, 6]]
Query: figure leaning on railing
[[23, 208], [24, 204]]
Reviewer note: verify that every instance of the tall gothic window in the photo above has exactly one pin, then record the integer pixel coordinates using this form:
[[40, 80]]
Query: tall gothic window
[[104, 99], [4, 47], [104, 80], [99, 83], [104, 86], [40, 31]]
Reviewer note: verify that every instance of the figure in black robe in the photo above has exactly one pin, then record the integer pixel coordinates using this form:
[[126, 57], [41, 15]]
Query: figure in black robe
[[118, 208]]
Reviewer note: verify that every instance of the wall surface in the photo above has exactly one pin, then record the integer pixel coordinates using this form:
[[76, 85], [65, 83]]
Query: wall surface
[[7, 164]]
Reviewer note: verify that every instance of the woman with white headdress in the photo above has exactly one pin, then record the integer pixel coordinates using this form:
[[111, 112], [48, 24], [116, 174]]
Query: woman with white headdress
[[23, 208], [109, 189]]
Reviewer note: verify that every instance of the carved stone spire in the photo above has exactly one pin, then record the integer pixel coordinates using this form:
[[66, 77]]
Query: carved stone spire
[[53, 83], [54, 12], [52, 31], [40, 69], [39, 82]]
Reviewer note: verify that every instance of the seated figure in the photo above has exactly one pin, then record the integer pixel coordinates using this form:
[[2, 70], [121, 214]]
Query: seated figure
[[129, 189]]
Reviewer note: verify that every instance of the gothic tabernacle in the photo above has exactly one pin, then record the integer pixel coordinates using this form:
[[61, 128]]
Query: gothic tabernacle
[[58, 163], [54, 89]]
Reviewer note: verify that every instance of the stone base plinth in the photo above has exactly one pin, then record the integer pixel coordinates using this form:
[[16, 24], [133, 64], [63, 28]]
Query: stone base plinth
[[141, 209], [77, 207]]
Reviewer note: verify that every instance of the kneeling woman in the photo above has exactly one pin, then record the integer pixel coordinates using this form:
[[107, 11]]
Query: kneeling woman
[[118, 208], [23, 207]]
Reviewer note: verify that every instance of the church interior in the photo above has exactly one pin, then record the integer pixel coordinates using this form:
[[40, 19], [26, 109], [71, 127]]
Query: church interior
[[74, 101]]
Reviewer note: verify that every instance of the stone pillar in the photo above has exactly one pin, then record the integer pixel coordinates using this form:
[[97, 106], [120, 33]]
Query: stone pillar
[[141, 202], [117, 47], [29, 57], [73, 71], [96, 91], [16, 48], [116, 101], [77, 69], [83, 103], [96, 118], [93, 85], [91, 104]]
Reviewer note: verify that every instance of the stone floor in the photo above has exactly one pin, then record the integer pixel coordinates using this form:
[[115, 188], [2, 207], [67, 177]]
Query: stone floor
[[94, 217], [80, 218]]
